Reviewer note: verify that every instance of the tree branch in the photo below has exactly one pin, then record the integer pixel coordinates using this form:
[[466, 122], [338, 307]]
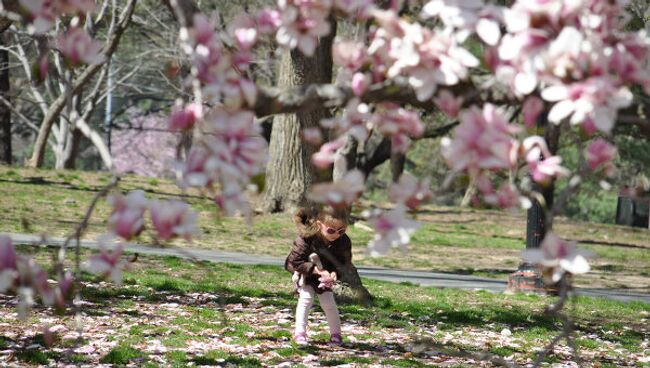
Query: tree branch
[[58, 105]]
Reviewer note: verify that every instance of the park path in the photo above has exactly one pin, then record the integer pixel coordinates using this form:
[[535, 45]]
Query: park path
[[433, 279]]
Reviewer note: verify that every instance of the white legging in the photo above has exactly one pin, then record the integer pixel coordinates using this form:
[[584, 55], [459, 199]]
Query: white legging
[[327, 303]]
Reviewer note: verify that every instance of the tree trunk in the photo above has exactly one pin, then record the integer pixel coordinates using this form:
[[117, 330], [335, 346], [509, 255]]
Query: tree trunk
[[289, 172], [350, 289], [5, 112], [72, 150], [397, 161]]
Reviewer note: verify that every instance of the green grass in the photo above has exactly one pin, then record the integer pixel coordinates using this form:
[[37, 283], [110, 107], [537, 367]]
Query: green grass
[[397, 307], [121, 354], [483, 243]]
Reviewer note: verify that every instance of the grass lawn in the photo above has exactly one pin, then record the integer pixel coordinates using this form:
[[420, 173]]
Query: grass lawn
[[170, 312], [469, 241]]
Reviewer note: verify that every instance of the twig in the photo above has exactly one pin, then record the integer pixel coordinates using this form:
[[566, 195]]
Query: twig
[[567, 326], [77, 236]]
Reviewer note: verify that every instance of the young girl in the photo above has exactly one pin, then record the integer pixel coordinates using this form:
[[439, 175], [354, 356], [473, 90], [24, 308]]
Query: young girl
[[321, 237]]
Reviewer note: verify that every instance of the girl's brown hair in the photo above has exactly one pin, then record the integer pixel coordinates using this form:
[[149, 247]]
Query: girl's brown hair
[[305, 219]]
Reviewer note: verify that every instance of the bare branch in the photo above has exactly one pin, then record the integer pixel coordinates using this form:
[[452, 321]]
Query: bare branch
[[58, 105]]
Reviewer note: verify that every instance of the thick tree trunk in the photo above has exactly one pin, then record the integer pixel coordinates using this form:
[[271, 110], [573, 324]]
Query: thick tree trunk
[[5, 112], [289, 172]]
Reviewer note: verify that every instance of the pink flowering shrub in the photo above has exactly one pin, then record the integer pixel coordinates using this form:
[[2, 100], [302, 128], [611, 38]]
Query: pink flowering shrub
[[144, 148]]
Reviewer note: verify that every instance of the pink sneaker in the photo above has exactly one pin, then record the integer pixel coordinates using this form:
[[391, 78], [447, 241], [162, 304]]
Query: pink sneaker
[[336, 339], [300, 339]]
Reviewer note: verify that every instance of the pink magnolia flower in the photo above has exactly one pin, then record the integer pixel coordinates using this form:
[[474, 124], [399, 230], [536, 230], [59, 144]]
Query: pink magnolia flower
[[236, 142], [354, 120], [600, 154], [173, 218], [392, 229], [340, 193], [327, 154], [482, 141], [506, 197], [63, 291], [32, 276], [233, 200], [544, 170], [360, 83], [109, 261], [349, 54], [127, 216], [303, 22], [327, 282], [409, 191], [244, 31], [78, 47], [8, 267], [184, 118], [202, 31], [397, 123], [531, 109], [199, 169], [41, 13], [559, 256], [448, 103], [268, 21]]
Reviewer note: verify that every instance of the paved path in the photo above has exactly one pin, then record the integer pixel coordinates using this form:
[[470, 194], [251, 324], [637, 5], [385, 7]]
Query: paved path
[[442, 280]]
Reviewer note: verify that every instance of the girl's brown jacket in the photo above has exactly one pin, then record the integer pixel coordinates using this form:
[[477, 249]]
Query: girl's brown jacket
[[338, 253]]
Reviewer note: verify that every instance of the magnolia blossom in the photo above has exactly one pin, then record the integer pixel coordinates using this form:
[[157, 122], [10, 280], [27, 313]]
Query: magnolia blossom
[[360, 83], [184, 118], [506, 197], [109, 261], [243, 30], [426, 58], [199, 169], [467, 16], [232, 200], [392, 229], [355, 121], [558, 256], [236, 142], [302, 23], [327, 281], [409, 191], [8, 267], [173, 218], [600, 154], [448, 103], [349, 54], [597, 98], [482, 141], [268, 21], [531, 109], [43, 13], [127, 216], [63, 291], [399, 124], [543, 170], [326, 156], [78, 47], [340, 193]]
